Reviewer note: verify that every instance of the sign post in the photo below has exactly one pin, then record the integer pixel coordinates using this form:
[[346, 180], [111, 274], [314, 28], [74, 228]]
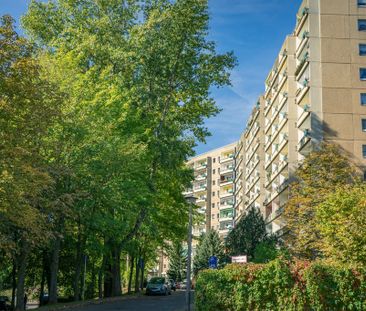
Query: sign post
[[212, 262]]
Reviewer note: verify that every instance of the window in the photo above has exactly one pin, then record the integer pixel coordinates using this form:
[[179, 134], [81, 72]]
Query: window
[[218, 215], [213, 193], [363, 74], [214, 160], [361, 3], [213, 216], [362, 49], [213, 171], [213, 182], [213, 205], [363, 125], [218, 170], [218, 192], [363, 99], [364, 151], [362, 24]]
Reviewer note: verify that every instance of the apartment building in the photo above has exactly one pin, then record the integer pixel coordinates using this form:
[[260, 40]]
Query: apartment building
[[315, 91], [213, 187]]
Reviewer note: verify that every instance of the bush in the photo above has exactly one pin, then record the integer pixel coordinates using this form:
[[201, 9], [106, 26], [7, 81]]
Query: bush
[[281, 285]]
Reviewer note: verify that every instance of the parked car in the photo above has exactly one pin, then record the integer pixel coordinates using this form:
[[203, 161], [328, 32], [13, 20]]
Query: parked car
[[173, 286], [183, 285], [158, 286], [4, 303]]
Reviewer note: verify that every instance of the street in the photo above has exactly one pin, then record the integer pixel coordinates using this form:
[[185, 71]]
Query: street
[[174, 302]]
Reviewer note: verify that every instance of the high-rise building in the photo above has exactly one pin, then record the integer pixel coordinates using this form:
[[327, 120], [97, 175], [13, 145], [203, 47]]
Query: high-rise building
[[214, 189], [315, 91]]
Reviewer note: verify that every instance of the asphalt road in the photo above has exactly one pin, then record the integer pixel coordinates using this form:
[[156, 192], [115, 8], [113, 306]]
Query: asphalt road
[[174, 302]]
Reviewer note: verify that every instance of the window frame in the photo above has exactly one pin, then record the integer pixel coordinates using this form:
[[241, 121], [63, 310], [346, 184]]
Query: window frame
[[363, 96], [361, 24], [361, 4], [364, 151], [359, 49], [363, 125], [363, 74]]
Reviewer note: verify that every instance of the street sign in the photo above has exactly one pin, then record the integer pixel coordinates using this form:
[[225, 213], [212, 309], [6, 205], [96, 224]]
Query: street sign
[[239, 259], [212, 262]]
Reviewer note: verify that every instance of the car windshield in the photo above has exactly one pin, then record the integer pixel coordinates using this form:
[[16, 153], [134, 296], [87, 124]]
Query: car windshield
[[157, 281]]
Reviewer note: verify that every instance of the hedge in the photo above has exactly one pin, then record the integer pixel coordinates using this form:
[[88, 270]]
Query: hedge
[[281, 285]]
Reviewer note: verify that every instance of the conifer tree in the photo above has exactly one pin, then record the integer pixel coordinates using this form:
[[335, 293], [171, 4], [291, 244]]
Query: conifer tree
[[209, 245]]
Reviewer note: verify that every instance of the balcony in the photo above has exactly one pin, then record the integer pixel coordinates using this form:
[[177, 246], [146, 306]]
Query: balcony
[[201, 177], [301, 20], [228, 158], [227, 182], [200, 188], [304, 140], [226, 194], [227, 169], [303, 115], [201, 199], [188, 191], [302, 65], [201, 166], [274, 215]]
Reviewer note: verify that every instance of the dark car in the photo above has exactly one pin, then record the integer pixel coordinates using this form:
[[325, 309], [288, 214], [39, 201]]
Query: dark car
[[4, 303], [158, 286], [173, 285]]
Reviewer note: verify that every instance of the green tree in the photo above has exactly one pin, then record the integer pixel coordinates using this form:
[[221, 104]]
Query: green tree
[[29, 107], [247, 234], [209, 245], [177, 255], [138, 76], [321, 172], [266, 251], [341, 220]]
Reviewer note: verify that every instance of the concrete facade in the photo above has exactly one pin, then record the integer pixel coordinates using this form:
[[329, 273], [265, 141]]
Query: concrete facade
[[315, 91]]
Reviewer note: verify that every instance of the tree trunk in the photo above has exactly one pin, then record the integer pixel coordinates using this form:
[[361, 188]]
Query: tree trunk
[[14, 283], [83, 279], [91, 287], [137, 275], [132, 260], [100, 278], [108, 276], [54, 270], [43, 280], [22, 266], [116, 272], [79, 262], [142, 276]]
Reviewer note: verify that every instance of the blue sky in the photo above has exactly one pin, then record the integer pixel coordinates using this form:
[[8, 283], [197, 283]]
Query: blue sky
[[255, 31]]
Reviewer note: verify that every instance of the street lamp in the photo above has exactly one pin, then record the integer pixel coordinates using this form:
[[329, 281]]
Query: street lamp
[[191, 200]]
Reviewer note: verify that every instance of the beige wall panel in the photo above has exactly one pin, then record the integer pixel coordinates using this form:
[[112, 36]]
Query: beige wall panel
[[334, 26], [334, 6], [355, 76], [337, 100], [338, 126], [356, 101], [336, 75], [355, 10], [336, 50], [353, 28], [357, 125]]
